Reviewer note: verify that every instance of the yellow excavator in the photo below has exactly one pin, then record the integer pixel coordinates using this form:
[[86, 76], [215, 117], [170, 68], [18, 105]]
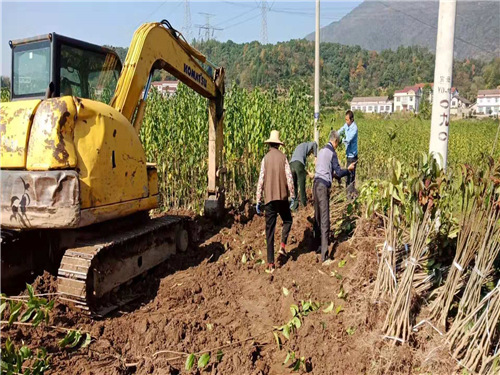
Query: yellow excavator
[[75, 184]]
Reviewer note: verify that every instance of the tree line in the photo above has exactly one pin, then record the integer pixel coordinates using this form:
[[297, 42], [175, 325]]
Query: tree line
[[346, 71]]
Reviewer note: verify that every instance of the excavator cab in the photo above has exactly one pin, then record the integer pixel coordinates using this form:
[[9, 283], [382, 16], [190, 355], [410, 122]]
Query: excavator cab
[[54, 65]]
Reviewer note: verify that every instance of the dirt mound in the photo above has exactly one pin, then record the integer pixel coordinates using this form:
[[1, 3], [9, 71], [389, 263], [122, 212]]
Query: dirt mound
[[217, 297]]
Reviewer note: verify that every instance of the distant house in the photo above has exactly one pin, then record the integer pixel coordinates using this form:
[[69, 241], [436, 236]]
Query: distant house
[[488, 102], [454, 90], [166, 88], [372, 104], [460, 106], [408, 99]]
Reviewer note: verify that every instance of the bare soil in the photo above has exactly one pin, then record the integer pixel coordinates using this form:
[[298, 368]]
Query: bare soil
[[208, 299]]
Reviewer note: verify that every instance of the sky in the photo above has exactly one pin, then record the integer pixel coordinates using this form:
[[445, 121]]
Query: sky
[[114, 22]]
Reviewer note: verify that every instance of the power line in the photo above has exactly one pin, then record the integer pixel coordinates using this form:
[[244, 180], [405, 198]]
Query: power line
[[236, 17], [241, 22], [154, 11], [294, 12]]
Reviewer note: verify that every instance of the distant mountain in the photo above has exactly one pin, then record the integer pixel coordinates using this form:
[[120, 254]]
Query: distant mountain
[[379, 25]]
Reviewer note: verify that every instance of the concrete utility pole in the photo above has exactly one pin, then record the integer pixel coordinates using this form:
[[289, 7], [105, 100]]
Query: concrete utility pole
[[316, 78], [442, 81]]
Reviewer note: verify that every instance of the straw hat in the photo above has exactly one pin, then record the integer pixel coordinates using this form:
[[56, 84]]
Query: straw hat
[[274, 138]]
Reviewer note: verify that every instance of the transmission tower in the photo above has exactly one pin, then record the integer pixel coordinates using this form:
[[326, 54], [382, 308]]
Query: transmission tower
[[187, 21], [207, 28], [263, 31]]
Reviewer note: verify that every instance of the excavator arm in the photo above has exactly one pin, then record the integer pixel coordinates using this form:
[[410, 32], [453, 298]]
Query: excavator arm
[[159, 46]]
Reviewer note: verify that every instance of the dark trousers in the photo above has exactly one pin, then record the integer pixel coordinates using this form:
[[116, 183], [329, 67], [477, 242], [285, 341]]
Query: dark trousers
[[272, 209], [322, 216], [351, 176], [299, 180]]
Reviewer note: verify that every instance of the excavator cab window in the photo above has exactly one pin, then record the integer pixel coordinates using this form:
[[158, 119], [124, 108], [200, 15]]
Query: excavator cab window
[[31, 69], [55, 65]]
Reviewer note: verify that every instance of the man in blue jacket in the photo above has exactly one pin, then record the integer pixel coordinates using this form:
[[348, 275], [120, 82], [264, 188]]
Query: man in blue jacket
[[350, 132], [326, 165]]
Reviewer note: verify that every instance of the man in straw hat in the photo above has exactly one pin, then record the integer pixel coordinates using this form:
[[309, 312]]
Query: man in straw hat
[[275, 180], [326, 165]]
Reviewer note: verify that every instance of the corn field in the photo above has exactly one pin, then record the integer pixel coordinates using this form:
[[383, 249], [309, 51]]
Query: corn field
[[175, 136], [406, 136]]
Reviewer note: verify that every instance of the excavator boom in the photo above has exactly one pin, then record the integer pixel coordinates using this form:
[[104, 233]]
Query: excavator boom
[[156, 46]]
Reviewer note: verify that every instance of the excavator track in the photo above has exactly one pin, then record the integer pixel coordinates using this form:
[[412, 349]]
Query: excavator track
[[94, 274]]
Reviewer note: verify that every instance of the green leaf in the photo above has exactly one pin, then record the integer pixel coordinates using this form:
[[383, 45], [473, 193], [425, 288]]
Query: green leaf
[[286, 331], [14, 313], [76, 340], [27, 315], [329, 308], [296, 367], [350, 331], [203, 360], [3, 306], [30, 290], [244, 259], [339, 309], [294, 309], [25, 352], [285, 291], [39, 317], [189, 362], [342, 294], [50, 305], [296, 322], [337, 275], [454, 233], [219, 355], [87, 340], [70, 336], [287, 358], [277, 338], [342, 263]]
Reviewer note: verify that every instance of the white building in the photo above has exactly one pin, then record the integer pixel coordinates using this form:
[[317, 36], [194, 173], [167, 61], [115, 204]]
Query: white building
[[407, 99], [166, 88], [488, 102], [372, 104]]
